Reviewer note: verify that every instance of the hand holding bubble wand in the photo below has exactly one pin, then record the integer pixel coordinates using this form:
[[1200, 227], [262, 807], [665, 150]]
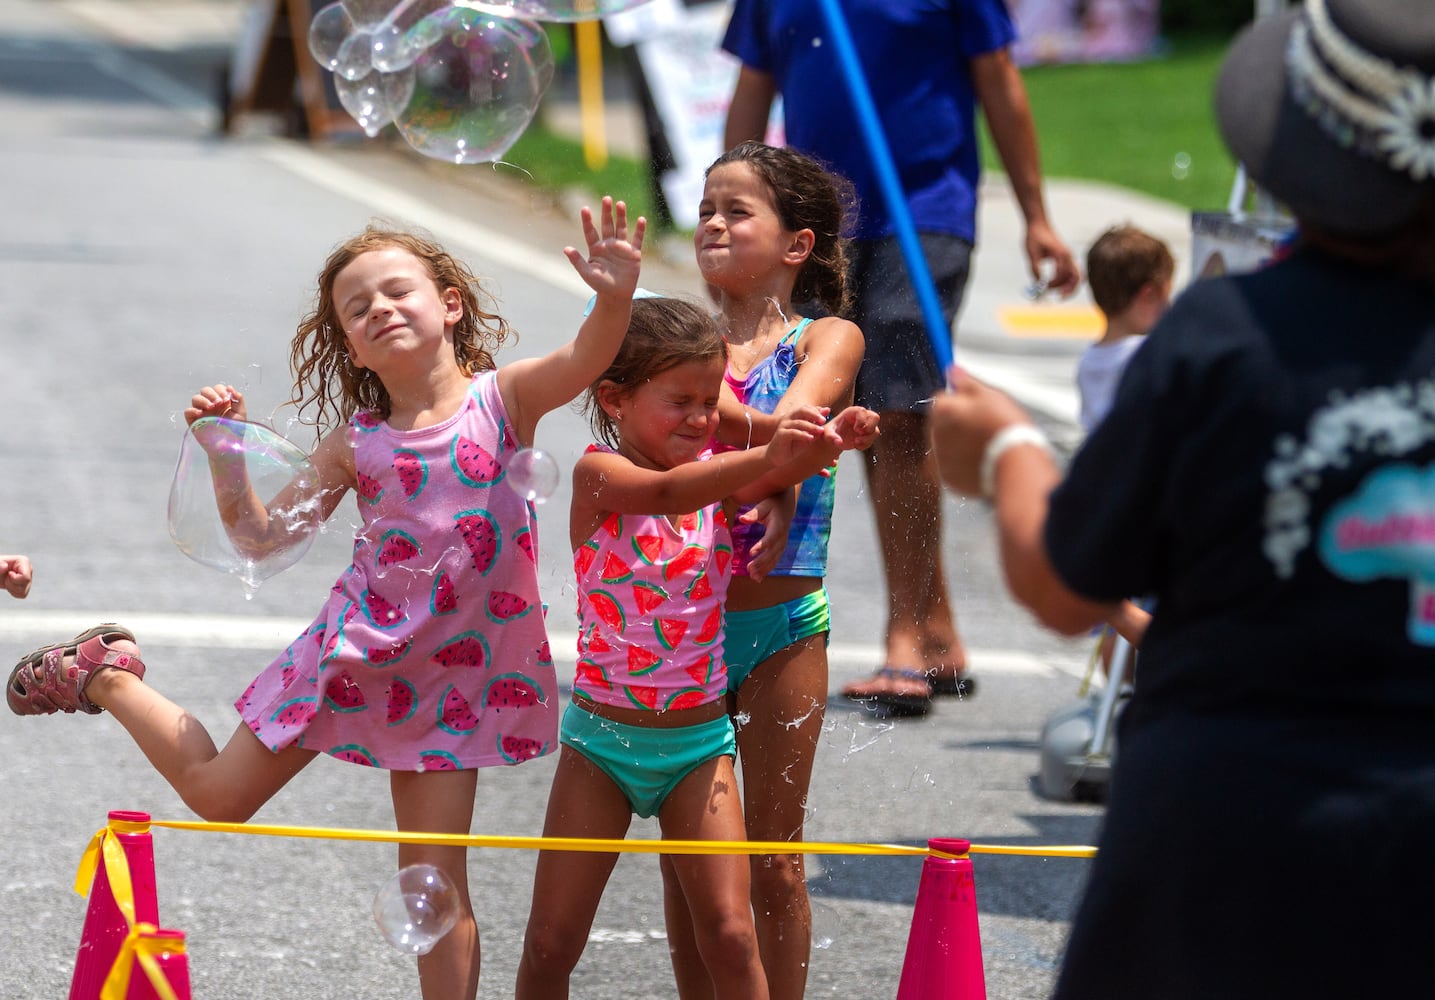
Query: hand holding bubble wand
[[244, 500]]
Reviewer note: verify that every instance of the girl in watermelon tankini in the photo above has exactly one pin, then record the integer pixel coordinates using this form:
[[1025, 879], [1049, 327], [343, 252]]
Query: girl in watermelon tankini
[[648, 730], [430, 657]]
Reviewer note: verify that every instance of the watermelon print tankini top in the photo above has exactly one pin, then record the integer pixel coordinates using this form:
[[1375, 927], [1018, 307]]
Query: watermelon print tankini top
[[431, 651], [650, 599]]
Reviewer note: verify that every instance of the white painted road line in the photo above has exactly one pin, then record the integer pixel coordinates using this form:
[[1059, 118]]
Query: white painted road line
[[22, 629]]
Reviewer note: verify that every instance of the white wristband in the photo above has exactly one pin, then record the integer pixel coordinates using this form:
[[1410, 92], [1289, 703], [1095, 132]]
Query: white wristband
[[1003, 440]]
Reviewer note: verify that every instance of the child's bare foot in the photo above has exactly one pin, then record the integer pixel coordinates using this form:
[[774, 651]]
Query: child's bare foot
[[53, 678]]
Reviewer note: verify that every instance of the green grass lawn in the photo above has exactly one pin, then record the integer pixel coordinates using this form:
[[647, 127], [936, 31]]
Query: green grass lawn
[[555, 163], [1145, 125]]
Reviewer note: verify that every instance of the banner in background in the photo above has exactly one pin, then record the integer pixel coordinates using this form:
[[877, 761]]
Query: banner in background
[[1063, 31]]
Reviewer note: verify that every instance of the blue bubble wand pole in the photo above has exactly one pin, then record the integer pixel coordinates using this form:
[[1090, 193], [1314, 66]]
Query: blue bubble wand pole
[[880, 152]]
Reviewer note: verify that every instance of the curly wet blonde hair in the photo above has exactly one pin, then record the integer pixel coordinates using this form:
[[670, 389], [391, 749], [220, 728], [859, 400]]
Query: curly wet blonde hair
[[325, 380]]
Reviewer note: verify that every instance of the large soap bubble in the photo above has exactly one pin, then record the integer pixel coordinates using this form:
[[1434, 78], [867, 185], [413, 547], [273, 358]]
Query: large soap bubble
[[218, 452], [476, 86], [416, 908]]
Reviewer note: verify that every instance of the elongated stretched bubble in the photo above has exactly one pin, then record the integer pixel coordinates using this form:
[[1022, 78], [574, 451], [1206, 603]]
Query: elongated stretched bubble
[[222, 460]]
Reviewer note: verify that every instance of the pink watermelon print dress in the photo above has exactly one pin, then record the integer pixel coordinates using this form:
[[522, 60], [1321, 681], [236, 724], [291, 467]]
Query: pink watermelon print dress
[[650, 602], [431, 652]]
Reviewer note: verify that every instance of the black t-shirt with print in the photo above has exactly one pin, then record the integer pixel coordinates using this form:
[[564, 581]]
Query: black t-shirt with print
[[1267, 471]]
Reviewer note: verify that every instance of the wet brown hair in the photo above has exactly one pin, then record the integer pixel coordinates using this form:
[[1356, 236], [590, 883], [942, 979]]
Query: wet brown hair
[[325, 380], [1121, 262], [662, 334], [807, 196]]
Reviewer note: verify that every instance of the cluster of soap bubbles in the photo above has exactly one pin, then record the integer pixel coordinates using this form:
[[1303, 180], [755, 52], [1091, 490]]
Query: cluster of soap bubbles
[[416, 908], [235, 456], [460, 80]]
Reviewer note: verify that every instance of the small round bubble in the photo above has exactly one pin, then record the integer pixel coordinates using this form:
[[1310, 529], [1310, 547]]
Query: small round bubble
[[328, 31], [416, 908], [533, 474], [356, 56], [221, 458], [367, 100]]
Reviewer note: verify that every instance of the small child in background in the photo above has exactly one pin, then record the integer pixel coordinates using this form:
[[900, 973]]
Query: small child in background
[[17, 574], [1130, 274], [648, 731]]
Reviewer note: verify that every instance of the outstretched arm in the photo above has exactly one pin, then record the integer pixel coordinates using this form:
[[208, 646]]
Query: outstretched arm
[[806, 444], [964, 421], [1004, 103], [533, 386], [604, 482]]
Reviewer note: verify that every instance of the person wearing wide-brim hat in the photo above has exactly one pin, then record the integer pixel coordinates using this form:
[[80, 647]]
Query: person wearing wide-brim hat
[[1268, 472]]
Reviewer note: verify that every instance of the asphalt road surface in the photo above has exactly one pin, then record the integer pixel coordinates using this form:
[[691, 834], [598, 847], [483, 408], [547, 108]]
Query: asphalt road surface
[[142, 256]]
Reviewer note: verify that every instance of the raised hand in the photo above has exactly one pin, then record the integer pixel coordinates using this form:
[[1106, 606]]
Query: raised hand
[[614, 257]]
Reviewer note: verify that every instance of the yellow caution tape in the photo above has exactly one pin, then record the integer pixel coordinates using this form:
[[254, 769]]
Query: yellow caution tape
[[142, 944], [612, 846], [117, 866]]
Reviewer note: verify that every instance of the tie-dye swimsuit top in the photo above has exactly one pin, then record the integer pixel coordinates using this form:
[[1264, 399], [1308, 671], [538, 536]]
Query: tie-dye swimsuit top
[[806, 552]]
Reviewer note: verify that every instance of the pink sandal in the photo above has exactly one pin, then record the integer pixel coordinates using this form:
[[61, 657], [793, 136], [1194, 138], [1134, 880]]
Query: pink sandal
[[43, 684]]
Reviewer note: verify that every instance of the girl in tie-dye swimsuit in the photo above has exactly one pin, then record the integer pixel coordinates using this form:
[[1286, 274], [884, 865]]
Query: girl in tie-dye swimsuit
[[648, 730], [769, 242]]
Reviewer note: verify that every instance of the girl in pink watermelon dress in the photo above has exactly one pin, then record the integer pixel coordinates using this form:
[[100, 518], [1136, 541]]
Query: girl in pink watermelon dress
[[647, 731], [429, 658]]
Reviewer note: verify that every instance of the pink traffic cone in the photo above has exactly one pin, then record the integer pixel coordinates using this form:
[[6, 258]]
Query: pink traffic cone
[[173, 963], [106, 925], [944, 949]]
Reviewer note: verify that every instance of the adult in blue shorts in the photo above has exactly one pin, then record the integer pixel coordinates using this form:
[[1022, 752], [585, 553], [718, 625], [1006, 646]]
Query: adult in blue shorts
[[929, 66]]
